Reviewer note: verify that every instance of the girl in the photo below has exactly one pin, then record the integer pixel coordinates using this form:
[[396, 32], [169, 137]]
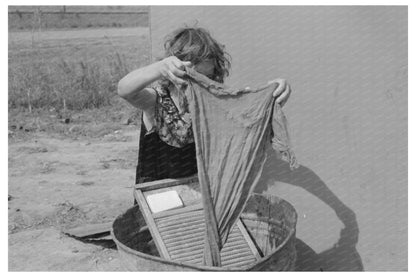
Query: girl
[[167, 148]]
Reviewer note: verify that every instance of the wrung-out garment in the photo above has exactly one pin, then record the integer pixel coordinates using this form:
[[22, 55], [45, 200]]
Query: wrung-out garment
[[231, 129]]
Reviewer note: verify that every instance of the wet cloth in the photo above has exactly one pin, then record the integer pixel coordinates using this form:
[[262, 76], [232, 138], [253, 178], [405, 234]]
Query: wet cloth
[[231, 129]]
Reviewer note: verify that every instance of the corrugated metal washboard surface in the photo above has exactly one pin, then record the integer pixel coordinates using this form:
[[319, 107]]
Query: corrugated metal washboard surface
[[183, 235]]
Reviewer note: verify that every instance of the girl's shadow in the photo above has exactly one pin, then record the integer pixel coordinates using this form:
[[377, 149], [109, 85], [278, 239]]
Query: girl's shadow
[[343, 256]]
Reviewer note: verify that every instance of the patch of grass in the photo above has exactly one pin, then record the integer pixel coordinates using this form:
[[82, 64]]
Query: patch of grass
[[60, 79], [65, 84], [71, 74]]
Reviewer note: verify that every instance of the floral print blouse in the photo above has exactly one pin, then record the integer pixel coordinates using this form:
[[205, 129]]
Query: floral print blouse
[[173, 126]]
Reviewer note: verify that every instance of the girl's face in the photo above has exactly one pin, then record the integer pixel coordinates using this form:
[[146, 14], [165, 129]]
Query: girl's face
[[206, 67]]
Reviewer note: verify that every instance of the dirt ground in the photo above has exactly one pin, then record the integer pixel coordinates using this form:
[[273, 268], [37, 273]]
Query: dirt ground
[[57, 183]]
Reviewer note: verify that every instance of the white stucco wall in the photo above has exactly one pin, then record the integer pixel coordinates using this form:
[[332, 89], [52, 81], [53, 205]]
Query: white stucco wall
[[348, 111]]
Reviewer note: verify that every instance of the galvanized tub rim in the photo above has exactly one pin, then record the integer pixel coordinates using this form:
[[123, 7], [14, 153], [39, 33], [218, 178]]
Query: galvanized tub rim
[[290, 235]]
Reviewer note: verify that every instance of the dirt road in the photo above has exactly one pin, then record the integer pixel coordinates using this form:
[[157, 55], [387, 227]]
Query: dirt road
[[26, 37]]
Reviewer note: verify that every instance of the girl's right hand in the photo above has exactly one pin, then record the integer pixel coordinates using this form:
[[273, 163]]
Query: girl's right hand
[[172, 68]]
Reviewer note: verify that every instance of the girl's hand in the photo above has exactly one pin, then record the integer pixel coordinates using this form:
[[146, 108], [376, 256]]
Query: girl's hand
[[172, 68], [282, 92]]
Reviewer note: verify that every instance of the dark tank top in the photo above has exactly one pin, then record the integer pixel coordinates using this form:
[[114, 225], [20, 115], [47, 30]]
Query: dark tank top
[[159, 160]]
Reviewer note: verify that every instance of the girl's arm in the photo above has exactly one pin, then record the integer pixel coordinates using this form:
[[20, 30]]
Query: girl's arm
[[133, 87]]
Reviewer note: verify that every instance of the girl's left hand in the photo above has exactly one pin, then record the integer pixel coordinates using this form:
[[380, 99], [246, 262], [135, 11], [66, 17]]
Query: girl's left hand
[[282, 92]]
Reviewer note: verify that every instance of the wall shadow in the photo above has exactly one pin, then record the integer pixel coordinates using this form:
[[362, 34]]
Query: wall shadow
[[343, 256]]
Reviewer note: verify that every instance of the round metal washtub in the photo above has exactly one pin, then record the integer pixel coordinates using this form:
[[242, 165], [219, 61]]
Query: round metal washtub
[[270, 221]]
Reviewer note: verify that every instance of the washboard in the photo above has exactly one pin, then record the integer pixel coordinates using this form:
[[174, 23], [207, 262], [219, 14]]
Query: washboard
[[179, 233]]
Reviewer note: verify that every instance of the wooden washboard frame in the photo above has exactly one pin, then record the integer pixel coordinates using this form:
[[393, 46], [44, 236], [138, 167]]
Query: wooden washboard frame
[[179, 233]]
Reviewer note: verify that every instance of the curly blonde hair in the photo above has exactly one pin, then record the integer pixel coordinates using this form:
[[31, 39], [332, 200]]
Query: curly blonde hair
[[197, 45]]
